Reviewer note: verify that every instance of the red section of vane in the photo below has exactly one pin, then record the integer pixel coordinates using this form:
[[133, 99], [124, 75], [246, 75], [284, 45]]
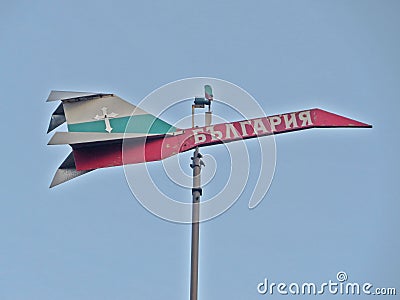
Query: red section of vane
[[322, 118]]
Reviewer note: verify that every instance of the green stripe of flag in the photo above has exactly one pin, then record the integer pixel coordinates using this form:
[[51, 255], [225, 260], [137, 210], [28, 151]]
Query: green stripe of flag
[[136, 124]]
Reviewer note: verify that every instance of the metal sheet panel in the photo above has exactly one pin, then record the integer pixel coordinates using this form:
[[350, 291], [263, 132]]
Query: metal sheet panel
[[71, 138], [63, 95], [67, 171], [57, 118]]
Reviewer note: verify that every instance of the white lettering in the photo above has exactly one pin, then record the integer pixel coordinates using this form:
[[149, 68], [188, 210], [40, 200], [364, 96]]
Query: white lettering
[[333, 287], [281, 288], [243, 125], [294, 285], [274, 121], [366, 288], [230, 128], [198, 138], [271, 286], [262, 287], [311, 288], [215, 134], [305, 116], [321, 291], [290, 122], [355, 288], [259, 126]]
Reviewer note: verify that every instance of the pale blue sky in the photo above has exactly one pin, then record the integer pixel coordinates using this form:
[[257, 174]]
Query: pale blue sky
[[333, 204]]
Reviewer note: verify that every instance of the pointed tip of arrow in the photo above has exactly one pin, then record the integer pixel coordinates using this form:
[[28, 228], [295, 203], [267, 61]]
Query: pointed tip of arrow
[[324, 118]]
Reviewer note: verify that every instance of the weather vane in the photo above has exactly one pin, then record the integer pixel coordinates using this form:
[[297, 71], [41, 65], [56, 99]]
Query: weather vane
[[97, 140]]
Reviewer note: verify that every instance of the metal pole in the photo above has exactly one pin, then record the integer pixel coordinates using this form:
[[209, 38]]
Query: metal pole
[[192, 116], [196, 192]]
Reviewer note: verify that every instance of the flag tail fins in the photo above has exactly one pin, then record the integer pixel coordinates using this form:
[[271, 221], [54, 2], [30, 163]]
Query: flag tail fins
[[67, 171]]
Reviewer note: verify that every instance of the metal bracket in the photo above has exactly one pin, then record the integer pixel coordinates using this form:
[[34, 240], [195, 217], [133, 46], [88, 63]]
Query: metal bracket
[[200, 190]]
